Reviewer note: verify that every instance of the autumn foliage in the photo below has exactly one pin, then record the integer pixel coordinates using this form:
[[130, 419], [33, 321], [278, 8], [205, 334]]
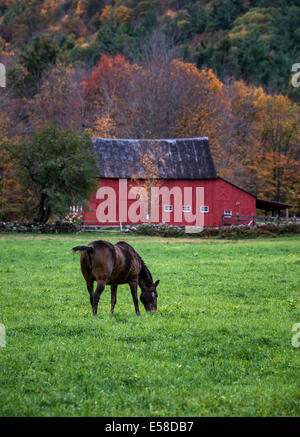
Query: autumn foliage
[[254, 136]]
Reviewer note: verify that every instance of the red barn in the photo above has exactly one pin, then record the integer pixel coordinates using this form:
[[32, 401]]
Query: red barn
[[164, 181]]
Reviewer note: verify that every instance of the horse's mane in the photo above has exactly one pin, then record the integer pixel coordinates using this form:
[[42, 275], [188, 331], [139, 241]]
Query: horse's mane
[[145, 272]]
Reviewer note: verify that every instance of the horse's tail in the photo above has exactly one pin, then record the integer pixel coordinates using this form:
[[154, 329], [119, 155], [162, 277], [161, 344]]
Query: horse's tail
[[89, 249]]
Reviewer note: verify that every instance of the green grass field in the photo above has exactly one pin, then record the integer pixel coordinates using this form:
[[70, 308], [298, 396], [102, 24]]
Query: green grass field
[[220, 344]]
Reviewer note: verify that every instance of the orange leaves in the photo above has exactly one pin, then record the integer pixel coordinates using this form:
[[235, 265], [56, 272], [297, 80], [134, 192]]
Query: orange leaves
[[104, 127], [279, 170], [108, 87], [170, 13], [265, 133], [162, 99], [204, 106], [109, 76], [122, 14], [280, 124], [80, 9], [278, 177], [254, 137], [105, 13]]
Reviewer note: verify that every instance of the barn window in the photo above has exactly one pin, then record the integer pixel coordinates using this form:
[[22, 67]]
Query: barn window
[[186, 208], [227, 213], [204, 209], [168, 208]]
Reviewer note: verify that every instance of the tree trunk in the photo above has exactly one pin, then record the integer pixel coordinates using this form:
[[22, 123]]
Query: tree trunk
[[44, 210]]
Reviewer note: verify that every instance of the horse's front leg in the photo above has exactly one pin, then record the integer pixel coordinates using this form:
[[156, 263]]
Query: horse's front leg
[[97, 294], [133, 288], [113, 290]]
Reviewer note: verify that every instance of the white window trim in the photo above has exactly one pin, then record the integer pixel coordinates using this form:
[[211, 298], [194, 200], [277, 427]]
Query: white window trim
[[226, 213], [202, 208], [168, 208], [186, 208]]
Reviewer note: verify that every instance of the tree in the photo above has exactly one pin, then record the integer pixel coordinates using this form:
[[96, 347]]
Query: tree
[[163, 98], [203, 107], [37, 56], [252, 59], [107, 88], [243, 119], [60, 98], [60, 168], [278, 166], [10, 190]]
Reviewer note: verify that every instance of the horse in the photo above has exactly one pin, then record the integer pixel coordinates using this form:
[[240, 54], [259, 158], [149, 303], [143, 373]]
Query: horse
[[109, 264]]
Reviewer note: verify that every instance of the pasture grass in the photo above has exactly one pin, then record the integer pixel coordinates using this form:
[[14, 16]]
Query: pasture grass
[[220, 344]]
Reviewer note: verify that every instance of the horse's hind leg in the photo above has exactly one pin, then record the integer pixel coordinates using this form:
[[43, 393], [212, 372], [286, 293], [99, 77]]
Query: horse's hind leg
[[88, 276], [113, 290], [90, 287], [97, 294]]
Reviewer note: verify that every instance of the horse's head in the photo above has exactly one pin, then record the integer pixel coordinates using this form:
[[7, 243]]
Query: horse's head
[[149, 297]]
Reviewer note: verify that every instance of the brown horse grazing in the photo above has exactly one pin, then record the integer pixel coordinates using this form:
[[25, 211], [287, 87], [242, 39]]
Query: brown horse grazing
[[109, 264]]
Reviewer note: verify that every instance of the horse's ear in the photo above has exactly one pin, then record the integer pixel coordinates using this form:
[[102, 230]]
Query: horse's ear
[[156, 283]]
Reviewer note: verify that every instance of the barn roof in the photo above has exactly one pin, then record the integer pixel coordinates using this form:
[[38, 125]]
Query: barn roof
[[187, 158], [270, 205]]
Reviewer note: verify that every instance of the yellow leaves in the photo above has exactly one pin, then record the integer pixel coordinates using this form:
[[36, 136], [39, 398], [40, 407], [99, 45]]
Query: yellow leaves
[[187, 68], [105, 13], [104, 127], [238, 34], [280, 124], [253, 136], [202, 115], [204, 77], [48, 7], [274, 167], [122, 14], [80, 42], [53, 28]]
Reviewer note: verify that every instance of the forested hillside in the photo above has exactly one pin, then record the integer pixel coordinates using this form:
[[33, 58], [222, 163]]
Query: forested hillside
[[256, 41], [156, 69]]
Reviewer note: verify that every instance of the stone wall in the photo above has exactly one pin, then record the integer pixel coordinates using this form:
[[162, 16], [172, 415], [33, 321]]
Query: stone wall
[[39, 228]]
